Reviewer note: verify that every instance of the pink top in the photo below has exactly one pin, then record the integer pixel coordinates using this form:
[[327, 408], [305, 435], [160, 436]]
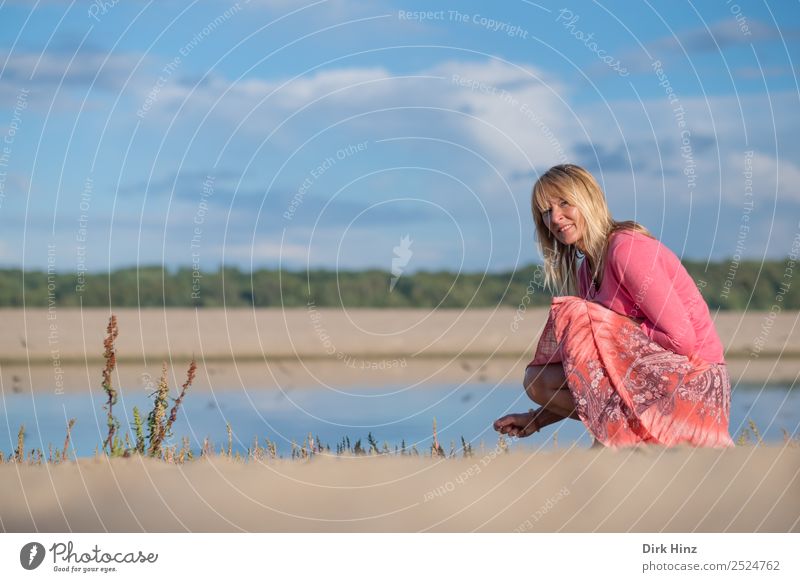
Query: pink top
[[645, 280]]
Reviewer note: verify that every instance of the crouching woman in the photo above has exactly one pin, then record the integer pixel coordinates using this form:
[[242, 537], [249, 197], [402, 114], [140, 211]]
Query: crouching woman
[[629, 347]]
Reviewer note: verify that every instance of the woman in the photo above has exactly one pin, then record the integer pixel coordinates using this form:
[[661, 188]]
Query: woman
[[634, 355]]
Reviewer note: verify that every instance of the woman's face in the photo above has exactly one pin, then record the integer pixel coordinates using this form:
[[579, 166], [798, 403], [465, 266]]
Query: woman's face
[[565, 222]]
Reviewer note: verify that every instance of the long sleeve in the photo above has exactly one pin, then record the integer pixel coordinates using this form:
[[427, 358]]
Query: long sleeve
[[639, 267]]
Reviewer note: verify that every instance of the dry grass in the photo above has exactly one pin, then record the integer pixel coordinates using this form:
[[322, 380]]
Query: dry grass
[[111, 443]]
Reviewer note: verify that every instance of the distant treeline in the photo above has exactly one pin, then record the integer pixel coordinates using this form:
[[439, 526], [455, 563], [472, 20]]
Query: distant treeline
[[725, 285]]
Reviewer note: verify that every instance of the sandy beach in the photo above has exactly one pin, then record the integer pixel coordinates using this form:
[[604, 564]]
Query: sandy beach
[[747, 489], [295, 348]]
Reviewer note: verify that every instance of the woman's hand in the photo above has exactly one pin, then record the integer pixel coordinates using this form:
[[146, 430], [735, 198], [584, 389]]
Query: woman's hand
[[517, 425]]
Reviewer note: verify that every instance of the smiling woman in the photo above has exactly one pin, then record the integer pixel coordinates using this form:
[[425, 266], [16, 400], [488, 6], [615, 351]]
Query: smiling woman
[[629, 347]]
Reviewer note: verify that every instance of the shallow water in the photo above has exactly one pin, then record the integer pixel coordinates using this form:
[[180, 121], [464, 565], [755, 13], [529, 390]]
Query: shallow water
[[390, 413]]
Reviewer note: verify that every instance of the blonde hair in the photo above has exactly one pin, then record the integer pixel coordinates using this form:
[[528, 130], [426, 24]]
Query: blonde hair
[[578, 188]]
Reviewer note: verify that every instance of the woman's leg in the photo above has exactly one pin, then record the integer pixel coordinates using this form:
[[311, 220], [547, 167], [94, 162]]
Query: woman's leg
[[547, 386], [545, 417]]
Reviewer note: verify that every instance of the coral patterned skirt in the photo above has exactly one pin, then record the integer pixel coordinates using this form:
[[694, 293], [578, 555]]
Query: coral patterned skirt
[[628, 389]]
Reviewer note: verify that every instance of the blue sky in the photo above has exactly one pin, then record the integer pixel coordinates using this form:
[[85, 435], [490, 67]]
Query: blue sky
[[268, 133]]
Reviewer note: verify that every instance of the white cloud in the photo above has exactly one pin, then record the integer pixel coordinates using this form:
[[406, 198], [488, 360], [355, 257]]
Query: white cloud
[[514, 130], [522, 113], [775, 179], [519, 118]]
